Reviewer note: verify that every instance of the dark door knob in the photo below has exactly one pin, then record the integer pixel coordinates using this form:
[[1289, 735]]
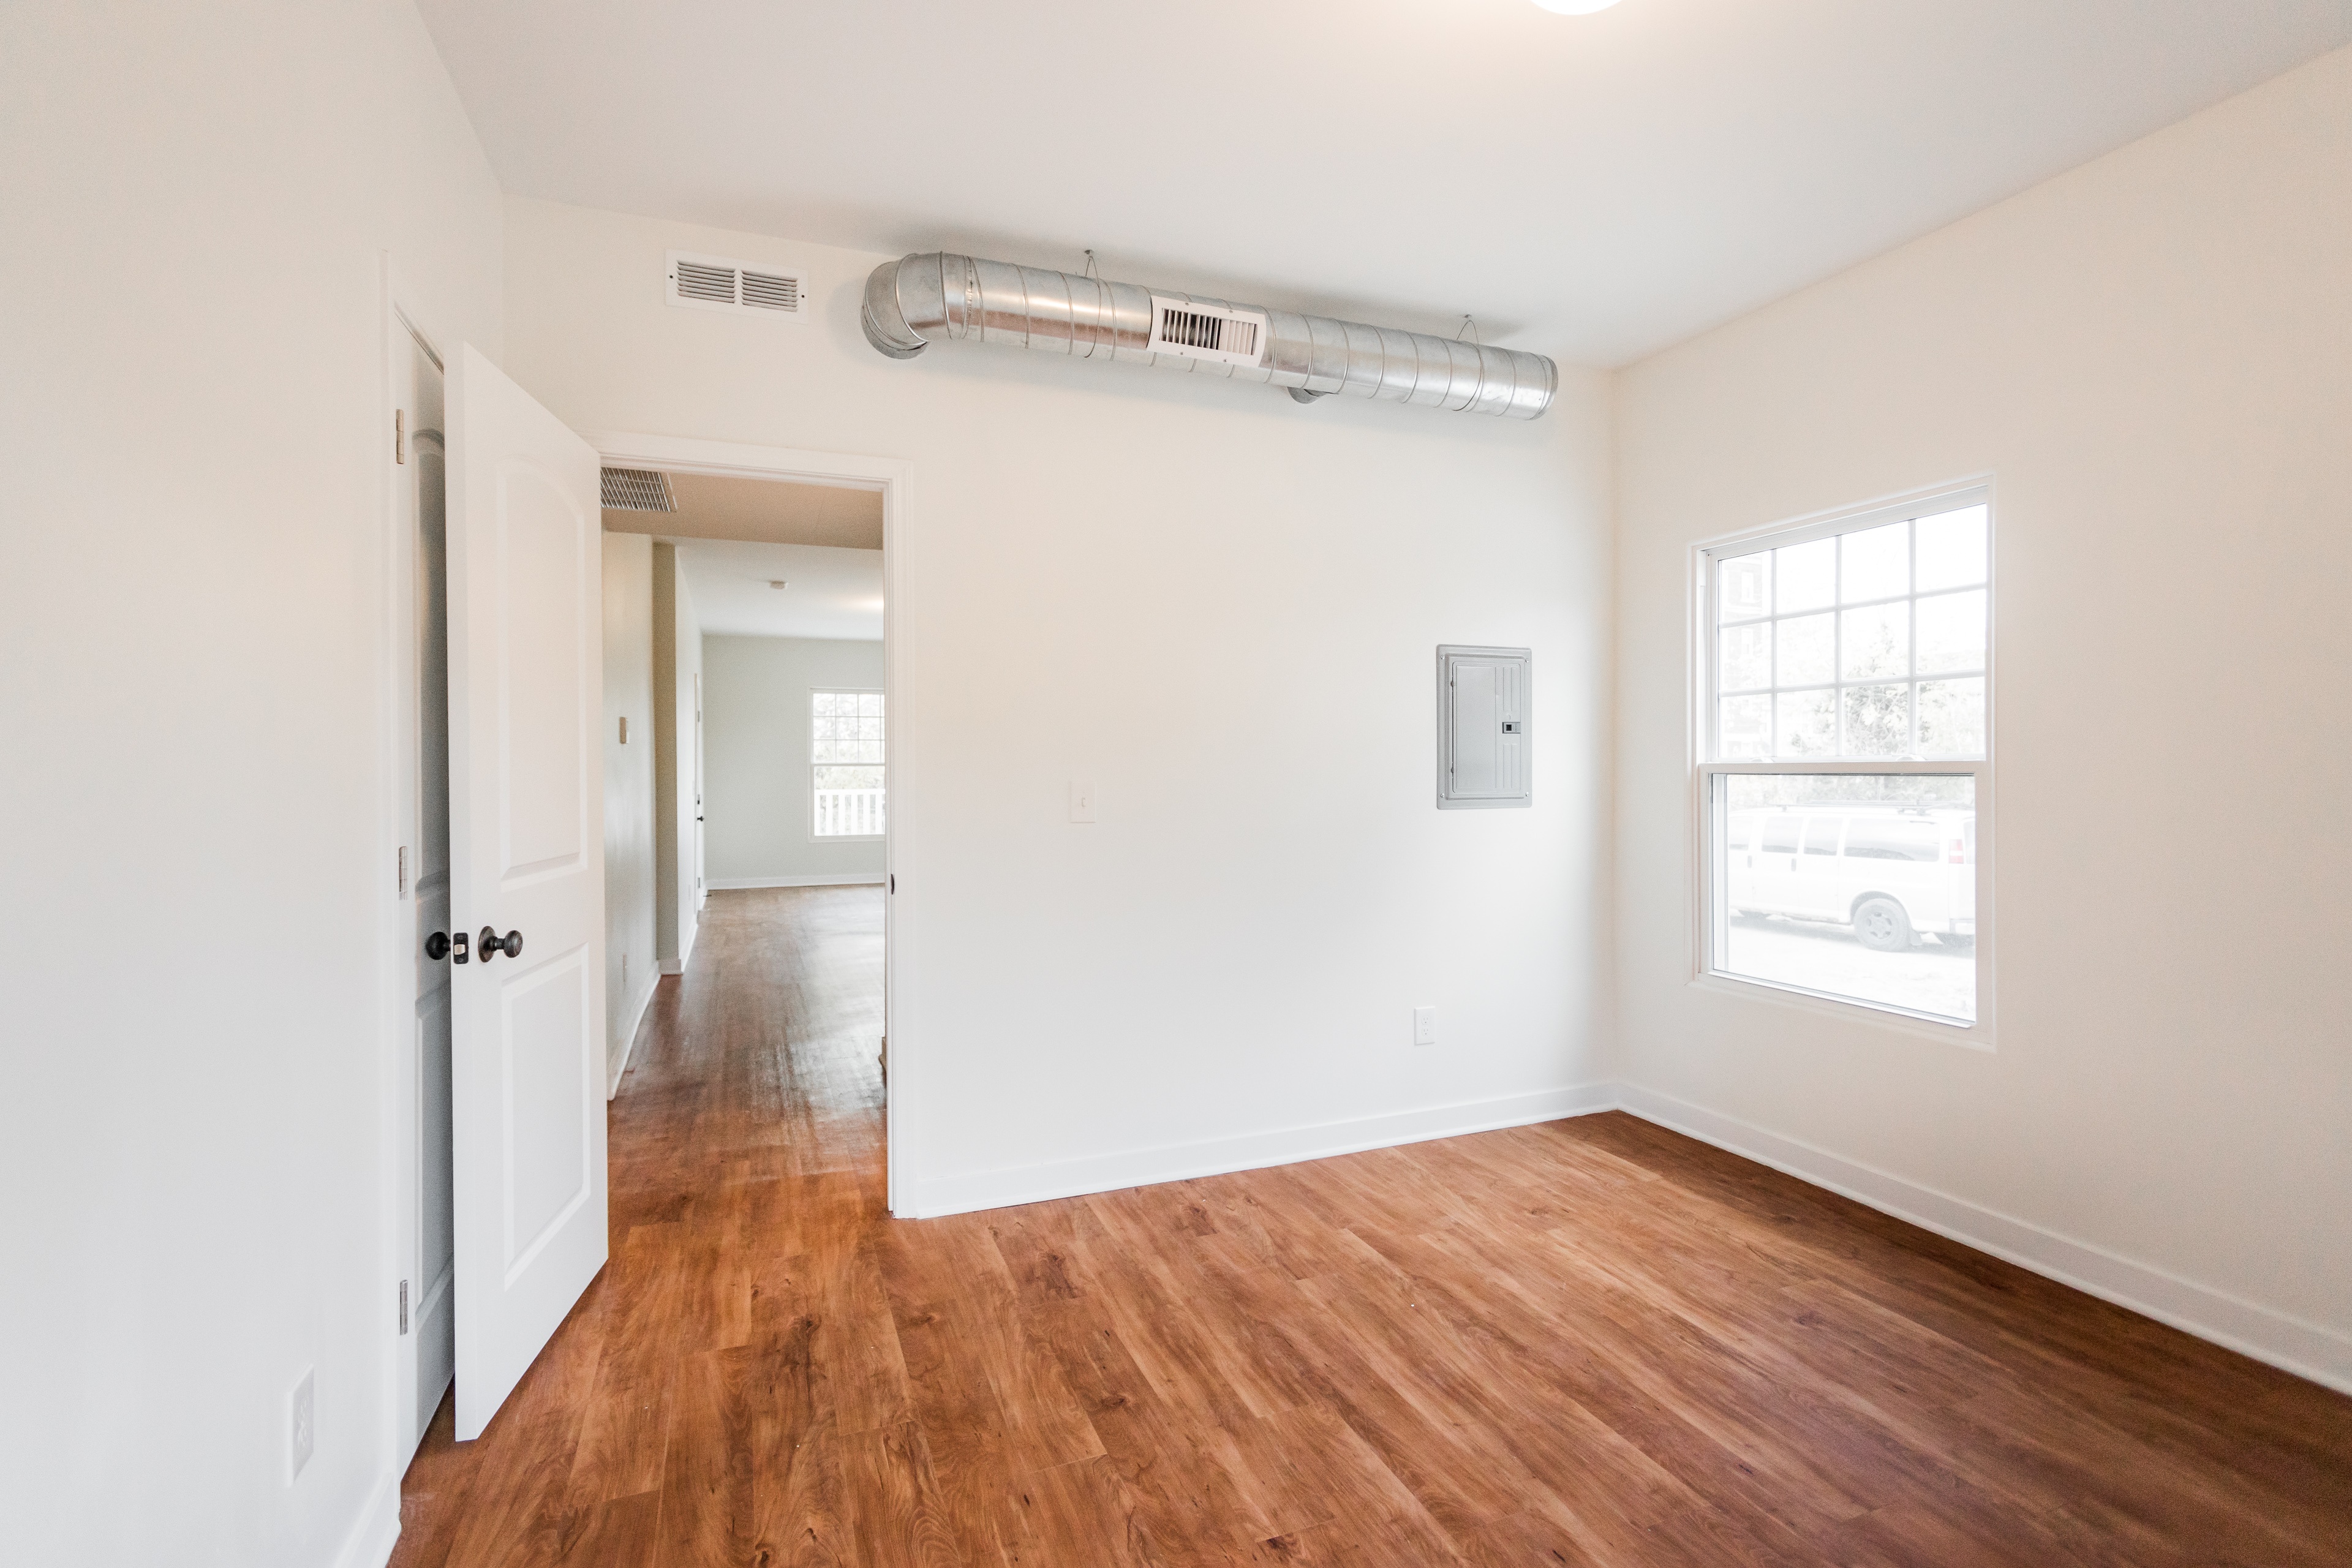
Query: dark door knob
[[491, 943], [436, 946]]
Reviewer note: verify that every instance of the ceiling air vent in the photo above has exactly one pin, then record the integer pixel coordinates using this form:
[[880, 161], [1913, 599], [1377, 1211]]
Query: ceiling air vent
[[637, 490], [1193, 329], [719, 283]]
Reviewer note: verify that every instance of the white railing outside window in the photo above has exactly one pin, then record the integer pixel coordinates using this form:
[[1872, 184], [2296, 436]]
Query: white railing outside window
[[848, 813]]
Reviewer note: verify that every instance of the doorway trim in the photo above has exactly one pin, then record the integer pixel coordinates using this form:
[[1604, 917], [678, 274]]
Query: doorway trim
[[405, 315], [894, 477]]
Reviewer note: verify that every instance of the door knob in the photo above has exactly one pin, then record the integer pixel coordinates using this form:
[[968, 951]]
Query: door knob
[[436, 946], [491, 944]]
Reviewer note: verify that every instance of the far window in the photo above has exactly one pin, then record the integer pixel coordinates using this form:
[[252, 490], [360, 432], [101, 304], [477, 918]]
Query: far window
[[1846, 710], [846, 763]]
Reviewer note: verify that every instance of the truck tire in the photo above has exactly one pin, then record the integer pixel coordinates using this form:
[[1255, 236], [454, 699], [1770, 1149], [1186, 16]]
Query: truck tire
[[1882, 924]]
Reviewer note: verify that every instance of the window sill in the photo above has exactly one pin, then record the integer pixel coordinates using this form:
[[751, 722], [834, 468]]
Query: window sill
[[1976, 1036]]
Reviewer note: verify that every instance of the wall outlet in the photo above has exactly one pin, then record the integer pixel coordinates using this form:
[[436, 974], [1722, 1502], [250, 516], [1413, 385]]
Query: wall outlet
[[1425, 1025], [301, 1425], [1082, 801]]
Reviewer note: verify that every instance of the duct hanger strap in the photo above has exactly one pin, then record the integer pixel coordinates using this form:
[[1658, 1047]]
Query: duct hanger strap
[[919, 299]]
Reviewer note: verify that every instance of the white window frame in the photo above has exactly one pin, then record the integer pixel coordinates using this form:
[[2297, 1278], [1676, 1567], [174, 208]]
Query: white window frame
[[808, 719], [1706, 925]]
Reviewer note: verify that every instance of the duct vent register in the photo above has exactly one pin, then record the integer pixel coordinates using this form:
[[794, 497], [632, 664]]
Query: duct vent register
[[637, 490], [740, 287], [1191, 329]]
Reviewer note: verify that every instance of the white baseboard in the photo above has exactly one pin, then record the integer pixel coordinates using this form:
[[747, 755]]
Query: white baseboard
[[636, 1022], [370, 1543], [820, 880], [2290, 1344], [677, 965], [933, 1196]]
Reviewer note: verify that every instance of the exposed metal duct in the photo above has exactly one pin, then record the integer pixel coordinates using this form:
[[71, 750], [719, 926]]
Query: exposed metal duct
[[917, 300]]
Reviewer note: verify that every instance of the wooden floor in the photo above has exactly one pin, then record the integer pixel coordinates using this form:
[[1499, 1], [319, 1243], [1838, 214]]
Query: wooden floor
[[1587, 1342]]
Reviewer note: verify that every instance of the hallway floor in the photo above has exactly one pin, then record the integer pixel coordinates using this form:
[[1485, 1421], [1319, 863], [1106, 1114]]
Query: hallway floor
[[1589, 1342]]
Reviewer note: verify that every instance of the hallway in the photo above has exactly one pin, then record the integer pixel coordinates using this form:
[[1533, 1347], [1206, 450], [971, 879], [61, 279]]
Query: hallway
[[1588, 1342]]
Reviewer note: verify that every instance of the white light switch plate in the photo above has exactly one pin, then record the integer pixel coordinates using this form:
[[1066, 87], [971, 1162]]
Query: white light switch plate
[[301, 1425], [1425, 1025], [1082, 801]]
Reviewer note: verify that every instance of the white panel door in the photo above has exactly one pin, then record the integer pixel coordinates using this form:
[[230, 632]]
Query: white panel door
[[527, 862]]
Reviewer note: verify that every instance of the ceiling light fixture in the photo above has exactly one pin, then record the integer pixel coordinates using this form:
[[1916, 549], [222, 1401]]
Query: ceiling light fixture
[[778, 582], [1575, 8]]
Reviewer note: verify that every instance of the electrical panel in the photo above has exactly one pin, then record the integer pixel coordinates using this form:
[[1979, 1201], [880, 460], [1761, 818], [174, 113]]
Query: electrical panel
[[1483, 758]]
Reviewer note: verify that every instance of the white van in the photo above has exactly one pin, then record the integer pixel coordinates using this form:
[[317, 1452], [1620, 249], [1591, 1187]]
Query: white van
[[1891, 872]]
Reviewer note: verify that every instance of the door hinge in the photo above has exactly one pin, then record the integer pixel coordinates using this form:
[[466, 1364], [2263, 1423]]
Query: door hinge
[[400, 877], [404, 1306], [400, 434]]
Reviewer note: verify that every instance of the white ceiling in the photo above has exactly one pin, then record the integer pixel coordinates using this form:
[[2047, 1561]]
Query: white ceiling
[[1595, 187], [832, 592]]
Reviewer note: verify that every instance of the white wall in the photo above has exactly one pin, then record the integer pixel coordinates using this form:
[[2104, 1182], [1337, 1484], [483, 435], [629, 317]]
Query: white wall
[[631, 966], [2153, 356], [194, 634], [1237, 650], [755, 741], [678, 672]]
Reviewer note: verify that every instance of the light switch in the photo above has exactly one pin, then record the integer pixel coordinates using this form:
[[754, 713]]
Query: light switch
[[1082, 801], [301, 1425], [1425, 1025]]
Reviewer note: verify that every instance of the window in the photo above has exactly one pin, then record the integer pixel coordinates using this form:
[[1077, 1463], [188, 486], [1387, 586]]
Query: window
[[1845, 719], [845, 764]]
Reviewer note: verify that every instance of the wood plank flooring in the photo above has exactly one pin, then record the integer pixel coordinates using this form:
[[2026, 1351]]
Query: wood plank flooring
[[1590, 1342]]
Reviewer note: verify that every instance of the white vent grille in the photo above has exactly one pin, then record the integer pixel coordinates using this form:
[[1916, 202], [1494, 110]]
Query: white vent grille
[[637, 490], [719, 283], [771, 290], [1189, 328], [700, 280]]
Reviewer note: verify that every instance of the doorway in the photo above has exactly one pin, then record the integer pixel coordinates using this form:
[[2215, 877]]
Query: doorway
[[745, 637], [430, 1064]]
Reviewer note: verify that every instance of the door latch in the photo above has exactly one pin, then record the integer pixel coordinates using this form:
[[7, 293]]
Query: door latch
[[458, 953]]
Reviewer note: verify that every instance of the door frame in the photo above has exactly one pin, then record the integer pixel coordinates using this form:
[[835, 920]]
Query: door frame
[[894, 477], [404, 315]]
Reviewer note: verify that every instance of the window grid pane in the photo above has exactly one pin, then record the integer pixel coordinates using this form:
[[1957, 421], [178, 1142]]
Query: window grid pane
[[1888, 623]]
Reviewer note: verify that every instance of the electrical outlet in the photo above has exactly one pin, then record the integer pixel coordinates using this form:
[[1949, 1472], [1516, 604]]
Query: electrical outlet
[[301, 1425], [1082, 801], [1425, 1025]]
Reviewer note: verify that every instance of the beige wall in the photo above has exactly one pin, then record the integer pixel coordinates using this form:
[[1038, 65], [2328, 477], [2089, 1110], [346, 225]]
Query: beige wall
[[2152, 356], [1236, 649], [199, 887], [631, 965], [756, 757]]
